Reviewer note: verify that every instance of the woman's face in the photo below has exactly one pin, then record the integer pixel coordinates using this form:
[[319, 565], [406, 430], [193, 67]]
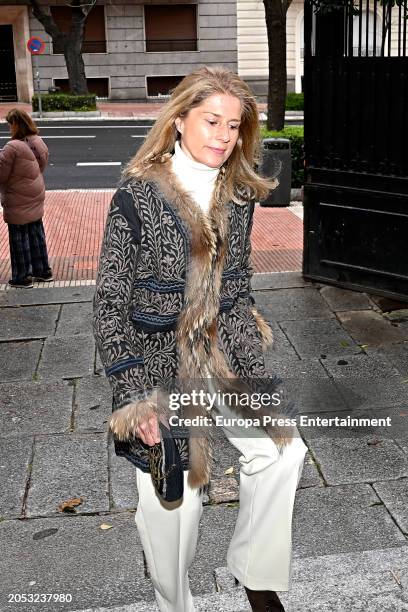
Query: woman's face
[[209, 132]]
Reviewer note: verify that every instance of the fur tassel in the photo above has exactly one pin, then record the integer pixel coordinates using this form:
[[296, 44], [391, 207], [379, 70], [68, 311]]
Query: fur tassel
[[263, 328], [124, 421]]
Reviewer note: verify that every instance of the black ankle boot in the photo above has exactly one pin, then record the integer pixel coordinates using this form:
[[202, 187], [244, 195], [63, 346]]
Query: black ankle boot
[[264, 601]]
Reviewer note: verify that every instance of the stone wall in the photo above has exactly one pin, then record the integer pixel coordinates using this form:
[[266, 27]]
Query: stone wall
[[126, 63]]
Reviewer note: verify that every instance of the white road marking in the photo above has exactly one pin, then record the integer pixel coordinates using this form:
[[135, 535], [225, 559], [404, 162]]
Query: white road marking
[[93, 136], [91, 127], [138, 135], [99, 163]]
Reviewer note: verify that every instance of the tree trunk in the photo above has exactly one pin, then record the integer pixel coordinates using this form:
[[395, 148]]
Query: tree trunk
[[275, 14], [73, 54], [76, 68]]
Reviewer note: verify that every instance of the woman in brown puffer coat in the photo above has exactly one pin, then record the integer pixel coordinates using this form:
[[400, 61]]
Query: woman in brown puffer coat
[[22, 163]]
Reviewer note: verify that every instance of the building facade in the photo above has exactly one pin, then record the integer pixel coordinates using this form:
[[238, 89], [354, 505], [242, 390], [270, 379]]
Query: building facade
[[134, 50], [252, 45]]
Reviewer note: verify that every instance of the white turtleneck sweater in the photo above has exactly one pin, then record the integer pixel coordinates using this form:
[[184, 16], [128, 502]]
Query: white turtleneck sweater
[[196, 178]]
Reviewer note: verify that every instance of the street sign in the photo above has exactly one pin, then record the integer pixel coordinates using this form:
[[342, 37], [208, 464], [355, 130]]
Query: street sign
[[36, 45]]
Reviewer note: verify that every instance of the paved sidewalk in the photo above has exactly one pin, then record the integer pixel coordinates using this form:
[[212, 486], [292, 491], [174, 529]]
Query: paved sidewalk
[[74, 221], [338, 354], [132, 110]]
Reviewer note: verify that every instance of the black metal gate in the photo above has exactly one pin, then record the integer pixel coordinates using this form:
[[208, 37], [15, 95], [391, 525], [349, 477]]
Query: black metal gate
[[8, 88], [356, 145]]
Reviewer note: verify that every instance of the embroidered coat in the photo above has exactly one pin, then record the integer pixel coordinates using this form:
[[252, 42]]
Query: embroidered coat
[[173, 300]]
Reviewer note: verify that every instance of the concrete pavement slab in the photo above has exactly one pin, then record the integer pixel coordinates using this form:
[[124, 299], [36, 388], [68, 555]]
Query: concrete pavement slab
[[373, 580], [358, 459], [396, 354], [344, 299], [47, 295], [371, 328], [278, 280], [15, 457], [93, 399], [69, 466], [216, 529], [316, 337], [310, 474], [35, 407], [292, 304], [28, 322], [394, 494], [67, 357], [309, 386], [355, 582], [18, 360], [122, 481], [73, 555], [368, 380], [281, 348], [75, 319], [341, 519], [99, 369]]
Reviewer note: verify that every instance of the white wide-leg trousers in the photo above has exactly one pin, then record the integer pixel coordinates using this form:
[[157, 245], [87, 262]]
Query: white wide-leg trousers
[[260, 551]]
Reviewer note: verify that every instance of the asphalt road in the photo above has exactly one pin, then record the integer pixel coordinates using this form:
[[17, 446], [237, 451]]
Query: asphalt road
[[87, 155], [105, 146]]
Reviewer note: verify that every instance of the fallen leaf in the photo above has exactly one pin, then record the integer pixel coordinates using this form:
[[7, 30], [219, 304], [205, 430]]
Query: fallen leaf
[[344, 343], [105, 526], [70, 504], [230, 470]]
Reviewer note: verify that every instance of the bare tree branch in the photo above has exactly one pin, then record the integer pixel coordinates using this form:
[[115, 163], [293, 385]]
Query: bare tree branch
[[46, 20]]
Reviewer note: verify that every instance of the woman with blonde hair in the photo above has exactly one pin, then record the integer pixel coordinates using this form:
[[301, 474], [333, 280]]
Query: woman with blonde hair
[[22, 163], [177, 332]]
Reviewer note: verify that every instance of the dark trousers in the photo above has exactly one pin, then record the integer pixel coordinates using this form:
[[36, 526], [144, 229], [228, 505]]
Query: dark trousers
[[28, 250]]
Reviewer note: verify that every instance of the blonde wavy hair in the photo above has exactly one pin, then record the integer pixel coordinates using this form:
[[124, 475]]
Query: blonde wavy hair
[[238, 171]]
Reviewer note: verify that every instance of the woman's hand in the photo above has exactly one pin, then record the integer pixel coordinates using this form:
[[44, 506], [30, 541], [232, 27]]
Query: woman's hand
[[148, 430]]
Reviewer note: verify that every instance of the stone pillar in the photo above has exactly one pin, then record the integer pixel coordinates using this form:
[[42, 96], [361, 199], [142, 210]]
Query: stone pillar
[[17, 16]]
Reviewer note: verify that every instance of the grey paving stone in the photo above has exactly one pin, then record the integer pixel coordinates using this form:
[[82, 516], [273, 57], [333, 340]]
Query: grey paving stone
[[308, 385], [68, 466], [35, 407], [15, 456], [225, 489], [216, 529], [354, 582], [316, 337], [28, 322], [343, 299], [367, 381], [75, 319], [278, 280], [369, 327], [74, 555], [292, 304], [358, 459], [395, 495], [396, 354], [122, 475], [99, 369], [281, 347], [342, 519], [71, 357], [225, 455], [18, 360], [47, 295], [93, 403], [310, 474]]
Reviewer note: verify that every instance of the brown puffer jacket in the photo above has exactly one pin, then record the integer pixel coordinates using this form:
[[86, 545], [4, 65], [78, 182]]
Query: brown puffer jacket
[[22, 188]]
